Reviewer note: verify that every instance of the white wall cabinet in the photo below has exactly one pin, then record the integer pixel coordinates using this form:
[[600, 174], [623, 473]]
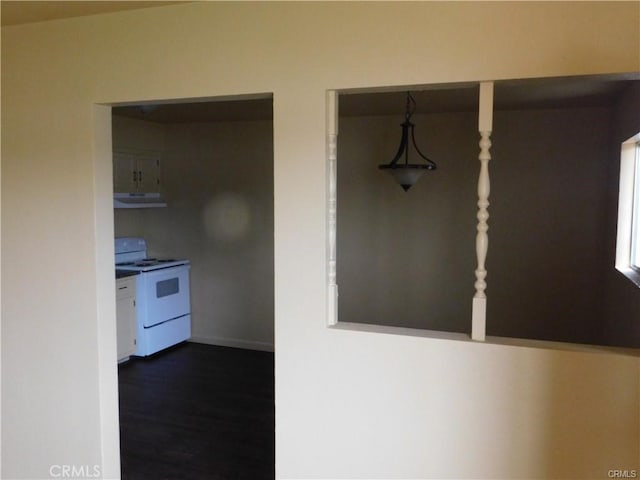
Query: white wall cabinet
[[136, 171], [126, 316]]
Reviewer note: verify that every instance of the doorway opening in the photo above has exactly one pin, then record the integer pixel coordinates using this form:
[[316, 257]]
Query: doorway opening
[[211, 191]]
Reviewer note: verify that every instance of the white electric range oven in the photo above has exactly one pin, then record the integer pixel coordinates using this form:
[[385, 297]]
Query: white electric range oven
[[163, 303]]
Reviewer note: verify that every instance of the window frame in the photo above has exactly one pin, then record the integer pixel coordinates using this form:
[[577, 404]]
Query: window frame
[[628, 237]]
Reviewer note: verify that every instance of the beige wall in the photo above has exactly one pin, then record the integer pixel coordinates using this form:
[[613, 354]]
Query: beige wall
[[218, 184], [348, 403]]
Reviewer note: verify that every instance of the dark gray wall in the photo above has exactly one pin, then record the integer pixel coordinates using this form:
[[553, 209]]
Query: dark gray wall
[[407, 259], [218, 184], [621, 319], [547, 226]]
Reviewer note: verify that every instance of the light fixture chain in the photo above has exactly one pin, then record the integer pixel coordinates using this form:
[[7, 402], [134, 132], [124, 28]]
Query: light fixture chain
[[411, 107]]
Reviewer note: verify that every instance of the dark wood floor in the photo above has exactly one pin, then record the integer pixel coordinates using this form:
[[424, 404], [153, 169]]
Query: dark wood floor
[[198, 412]]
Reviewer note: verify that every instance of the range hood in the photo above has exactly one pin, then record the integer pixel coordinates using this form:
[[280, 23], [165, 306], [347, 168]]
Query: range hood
[[138, 200]]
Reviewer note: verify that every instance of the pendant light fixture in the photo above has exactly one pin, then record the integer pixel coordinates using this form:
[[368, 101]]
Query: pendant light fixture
[[405, 173]]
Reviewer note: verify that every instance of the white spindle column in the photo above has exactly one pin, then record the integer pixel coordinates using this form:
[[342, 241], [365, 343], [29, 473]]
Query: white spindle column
[[332, 204], [485, 125]]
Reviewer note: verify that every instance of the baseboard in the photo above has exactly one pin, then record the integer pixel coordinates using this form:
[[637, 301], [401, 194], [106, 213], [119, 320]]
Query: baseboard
[[234, 342]]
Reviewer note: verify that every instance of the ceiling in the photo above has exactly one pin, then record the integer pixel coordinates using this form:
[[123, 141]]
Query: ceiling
[[20, 12], [236, 109], [566, 92], [537, 93]]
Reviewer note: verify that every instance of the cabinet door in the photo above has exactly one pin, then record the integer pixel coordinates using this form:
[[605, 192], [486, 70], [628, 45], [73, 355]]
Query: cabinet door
[[136, 171], [125, 173], [148, 173], [126, 318]]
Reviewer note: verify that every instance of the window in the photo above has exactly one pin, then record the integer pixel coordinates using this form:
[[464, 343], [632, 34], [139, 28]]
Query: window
[[628, 242], [635, 227]]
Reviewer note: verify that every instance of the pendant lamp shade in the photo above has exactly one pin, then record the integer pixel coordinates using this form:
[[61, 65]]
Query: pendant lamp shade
[[406, 174]]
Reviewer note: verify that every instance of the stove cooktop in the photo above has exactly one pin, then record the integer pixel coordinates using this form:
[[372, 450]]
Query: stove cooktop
[[150, 264]]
